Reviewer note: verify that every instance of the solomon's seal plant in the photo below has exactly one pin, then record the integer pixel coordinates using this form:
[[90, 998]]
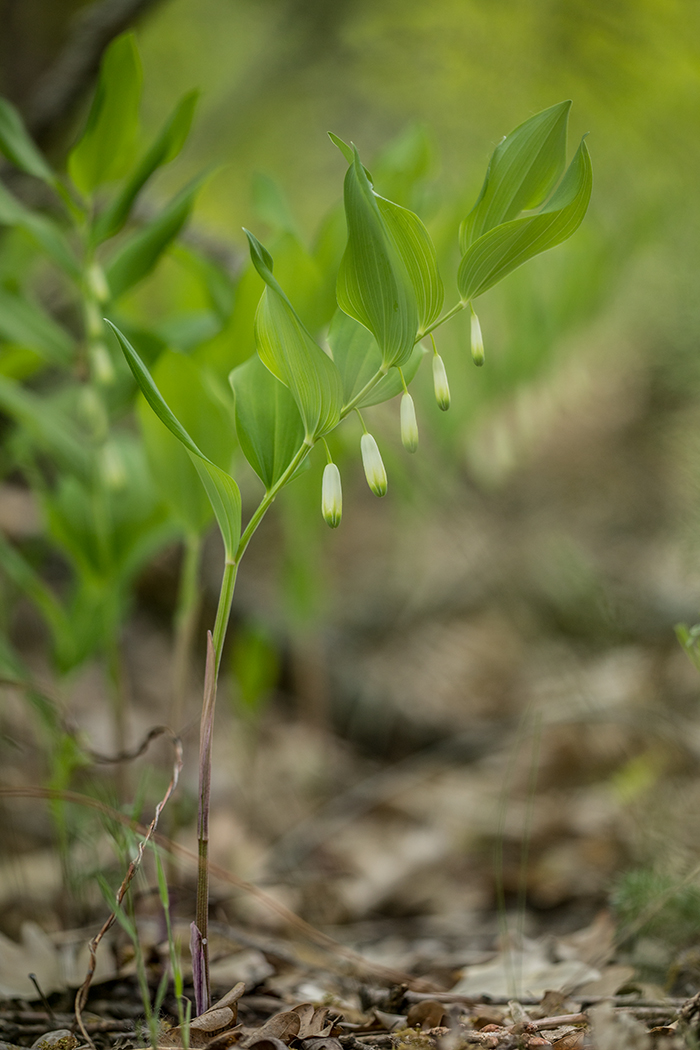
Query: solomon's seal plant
[[292, 393]]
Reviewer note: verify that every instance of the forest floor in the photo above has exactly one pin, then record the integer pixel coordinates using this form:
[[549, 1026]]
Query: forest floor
[[467, 814]]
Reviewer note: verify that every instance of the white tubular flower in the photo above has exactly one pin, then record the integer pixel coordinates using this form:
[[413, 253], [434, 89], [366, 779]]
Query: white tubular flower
[[440, 384], [331, 496], [409, 424], [477, 341], [374, 467]]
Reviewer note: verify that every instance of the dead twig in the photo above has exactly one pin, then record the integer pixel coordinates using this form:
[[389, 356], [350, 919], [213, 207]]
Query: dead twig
[[81, 997]]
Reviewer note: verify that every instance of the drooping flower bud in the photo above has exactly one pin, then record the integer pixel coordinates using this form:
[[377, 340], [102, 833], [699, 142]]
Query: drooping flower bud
[[477, 341], [374, 467], [331, 496], [409, 424], [440, 384]]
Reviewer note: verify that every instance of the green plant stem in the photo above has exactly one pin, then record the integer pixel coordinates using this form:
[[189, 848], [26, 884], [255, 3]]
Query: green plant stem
[[269, 498], [223, 612], [186, 613], [441, 320], [365, 390], [383, 371]]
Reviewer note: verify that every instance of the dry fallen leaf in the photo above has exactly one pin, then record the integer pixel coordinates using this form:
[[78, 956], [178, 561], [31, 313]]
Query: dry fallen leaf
[[209, 1028], [428, 1013], [56, 967]]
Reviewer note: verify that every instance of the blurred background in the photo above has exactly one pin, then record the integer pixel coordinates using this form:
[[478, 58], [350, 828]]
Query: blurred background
[[470, 700]]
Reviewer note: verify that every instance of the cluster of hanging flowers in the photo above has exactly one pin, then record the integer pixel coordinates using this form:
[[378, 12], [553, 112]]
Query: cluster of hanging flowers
[[375, 471]]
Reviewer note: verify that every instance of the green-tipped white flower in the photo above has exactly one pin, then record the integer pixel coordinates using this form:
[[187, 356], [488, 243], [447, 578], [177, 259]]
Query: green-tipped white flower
[[331, 496], [440, 384], [409, 424], [374, 467], [477, 341]]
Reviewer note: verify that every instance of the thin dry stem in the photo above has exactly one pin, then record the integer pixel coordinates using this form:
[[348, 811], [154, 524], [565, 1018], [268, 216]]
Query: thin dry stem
[[360, 964], [81, 997]]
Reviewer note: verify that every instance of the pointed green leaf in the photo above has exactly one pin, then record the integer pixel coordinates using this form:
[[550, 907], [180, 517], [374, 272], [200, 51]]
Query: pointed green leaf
[[165, 148], [499, 251], [374, 286], [135, 259], [106, 147], [220, 487], [270, 429], [50, 428], [18, 147], [205, 419], [342, 146], [287, 349], [24, 576], [41, 229], [523, 170], [413, 243], [27, 325]]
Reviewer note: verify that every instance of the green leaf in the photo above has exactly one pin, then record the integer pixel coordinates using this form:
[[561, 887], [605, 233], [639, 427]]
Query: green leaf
[[413, 243], [391, 384], [374, 286], [18, 147], [41, 229], [358, 359], [287, 349], [523, 170], [271, 206], [106, 147], [403, 166], [27, 325], [355, 352], [343, 147], [51, 429], [164, 149], [135, 259], [270, 429], [24, 576], [183, 387], [220, 487], [503, 248]]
